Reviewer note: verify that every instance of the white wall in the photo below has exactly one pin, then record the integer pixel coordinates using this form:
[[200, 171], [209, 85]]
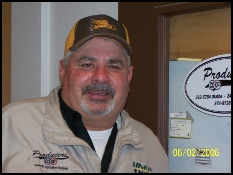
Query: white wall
[[39, 31]]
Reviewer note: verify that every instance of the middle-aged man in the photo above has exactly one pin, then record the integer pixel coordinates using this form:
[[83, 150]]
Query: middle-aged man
[[81, 126]]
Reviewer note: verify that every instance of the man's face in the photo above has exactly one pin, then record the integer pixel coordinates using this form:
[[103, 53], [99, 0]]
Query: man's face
[[97, 78]]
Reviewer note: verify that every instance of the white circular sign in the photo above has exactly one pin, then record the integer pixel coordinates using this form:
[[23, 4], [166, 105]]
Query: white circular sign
[[208, 86]]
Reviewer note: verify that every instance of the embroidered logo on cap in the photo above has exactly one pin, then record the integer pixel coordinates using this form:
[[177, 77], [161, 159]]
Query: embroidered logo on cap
[[99, 24]]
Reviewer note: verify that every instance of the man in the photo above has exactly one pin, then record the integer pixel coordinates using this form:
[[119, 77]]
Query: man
[[81, 126]]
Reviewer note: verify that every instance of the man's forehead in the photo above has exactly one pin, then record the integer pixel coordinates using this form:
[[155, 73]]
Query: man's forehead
[[112, 60]]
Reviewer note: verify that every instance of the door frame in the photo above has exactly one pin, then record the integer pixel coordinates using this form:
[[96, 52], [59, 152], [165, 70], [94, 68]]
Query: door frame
[[6, 53]]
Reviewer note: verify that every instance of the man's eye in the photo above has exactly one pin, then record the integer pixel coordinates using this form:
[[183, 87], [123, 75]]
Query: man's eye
[[114, 67], [87, 65]]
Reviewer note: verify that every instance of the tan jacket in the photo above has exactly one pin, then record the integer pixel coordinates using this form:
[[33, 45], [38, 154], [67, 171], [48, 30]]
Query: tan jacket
[[35, 138]]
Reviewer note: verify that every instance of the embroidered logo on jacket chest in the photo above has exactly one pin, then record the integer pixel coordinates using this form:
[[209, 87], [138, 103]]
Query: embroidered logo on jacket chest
[[139, 168], [51, 160]]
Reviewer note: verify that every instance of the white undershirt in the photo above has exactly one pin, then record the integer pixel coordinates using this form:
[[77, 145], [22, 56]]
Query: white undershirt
[[100, 138]]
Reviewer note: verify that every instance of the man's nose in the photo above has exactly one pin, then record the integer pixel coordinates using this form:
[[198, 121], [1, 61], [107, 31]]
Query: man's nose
[[101, 75]]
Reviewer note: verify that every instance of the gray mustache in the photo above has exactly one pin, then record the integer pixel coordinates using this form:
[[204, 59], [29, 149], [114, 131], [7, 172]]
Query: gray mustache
[[96, 87]]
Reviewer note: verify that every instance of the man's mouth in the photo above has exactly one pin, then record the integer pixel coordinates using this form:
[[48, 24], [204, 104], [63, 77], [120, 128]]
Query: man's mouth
[[99, 95]]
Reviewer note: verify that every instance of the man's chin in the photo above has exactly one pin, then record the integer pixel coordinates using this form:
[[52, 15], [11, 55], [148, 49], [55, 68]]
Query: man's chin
[[97, 113], [98, 109]]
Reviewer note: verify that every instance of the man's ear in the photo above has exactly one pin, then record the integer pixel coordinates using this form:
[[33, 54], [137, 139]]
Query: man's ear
[[62, 69], [130, 74]]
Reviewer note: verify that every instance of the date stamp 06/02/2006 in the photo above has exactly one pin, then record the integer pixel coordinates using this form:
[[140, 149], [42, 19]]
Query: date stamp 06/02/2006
[[177, 152]]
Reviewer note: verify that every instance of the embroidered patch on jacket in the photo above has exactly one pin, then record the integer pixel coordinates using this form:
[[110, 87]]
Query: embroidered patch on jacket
[[139, 168], [50, 160]]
